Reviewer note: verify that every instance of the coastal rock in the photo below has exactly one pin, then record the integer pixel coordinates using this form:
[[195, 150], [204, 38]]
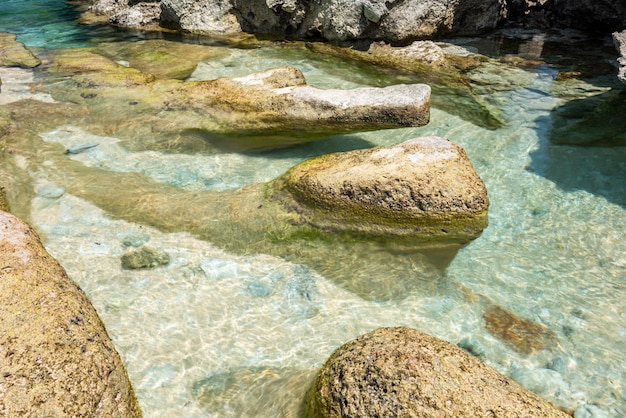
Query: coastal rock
[[14, 53], [393, 372], [57, 359], [425, 187], [619, 38], [138, 15], [337, 20]]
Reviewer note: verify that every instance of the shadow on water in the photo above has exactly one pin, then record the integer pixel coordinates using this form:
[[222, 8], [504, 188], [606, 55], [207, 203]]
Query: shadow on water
[[585, 145]]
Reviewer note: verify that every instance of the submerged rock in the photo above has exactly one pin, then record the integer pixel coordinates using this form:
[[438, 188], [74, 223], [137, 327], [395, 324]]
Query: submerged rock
[[15, 54], [520, 334], [393, 372], [425, 187], [57, 359], [145, 257]]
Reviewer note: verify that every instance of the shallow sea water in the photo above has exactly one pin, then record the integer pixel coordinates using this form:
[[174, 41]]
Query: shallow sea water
[[215, 334]]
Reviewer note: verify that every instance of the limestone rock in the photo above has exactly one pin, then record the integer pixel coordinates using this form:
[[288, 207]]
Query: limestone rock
[[620, 44], [57, 359], [401, 372], [338, 20], [425, 187], [15, 54]]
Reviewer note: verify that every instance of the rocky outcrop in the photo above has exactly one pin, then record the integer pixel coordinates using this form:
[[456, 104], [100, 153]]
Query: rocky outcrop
[[393, 21], [393, 372], [57, 359], [337, 20], [619, 38], [425, 187]]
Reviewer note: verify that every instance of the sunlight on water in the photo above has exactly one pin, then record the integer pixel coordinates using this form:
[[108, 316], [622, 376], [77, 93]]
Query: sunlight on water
[[215, 334]]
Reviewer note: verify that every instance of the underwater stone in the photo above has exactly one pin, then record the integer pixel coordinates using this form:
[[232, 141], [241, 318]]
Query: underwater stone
[[145, 257], [520, 334], [136, 240], [50, 191], [393, 372], [57, 359]]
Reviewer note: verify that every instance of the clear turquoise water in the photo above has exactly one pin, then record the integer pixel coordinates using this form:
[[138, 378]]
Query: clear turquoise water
[[216, 334]]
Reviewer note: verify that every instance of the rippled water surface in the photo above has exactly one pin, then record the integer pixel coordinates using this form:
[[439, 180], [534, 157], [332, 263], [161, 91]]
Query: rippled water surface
[[230, 333]]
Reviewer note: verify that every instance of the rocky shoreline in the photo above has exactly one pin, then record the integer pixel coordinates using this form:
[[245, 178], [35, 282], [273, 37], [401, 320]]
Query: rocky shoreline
[[309, 197]]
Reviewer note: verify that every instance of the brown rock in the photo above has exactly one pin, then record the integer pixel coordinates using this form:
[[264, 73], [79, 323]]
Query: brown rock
[[401, 372], [56, 358], [520, 334], [425, 187]]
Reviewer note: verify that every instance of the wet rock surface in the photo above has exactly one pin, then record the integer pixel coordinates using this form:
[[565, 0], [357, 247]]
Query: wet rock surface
[[57, 359], [393, 372], [15, 54]]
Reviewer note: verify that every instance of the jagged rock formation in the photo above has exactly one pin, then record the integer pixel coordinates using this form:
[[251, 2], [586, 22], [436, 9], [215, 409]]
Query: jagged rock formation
[[392, 372], [346, 20], [57, 359], [394, 21]]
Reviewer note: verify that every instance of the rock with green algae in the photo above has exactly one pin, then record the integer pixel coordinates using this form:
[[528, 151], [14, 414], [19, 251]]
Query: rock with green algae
[[57, 359], [402, 372], [271, 109], [161, 58], [424, 188], [145, 257], [14, 53], [4, 203]]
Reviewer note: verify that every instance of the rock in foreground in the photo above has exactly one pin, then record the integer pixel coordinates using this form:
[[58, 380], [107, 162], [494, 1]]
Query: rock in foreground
[[423, 188], [57, 359], [401, 372]]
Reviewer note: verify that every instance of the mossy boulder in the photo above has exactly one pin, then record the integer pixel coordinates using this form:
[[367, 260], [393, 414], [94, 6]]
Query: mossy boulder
[[402, 372], [424, 188], [57, 359]]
